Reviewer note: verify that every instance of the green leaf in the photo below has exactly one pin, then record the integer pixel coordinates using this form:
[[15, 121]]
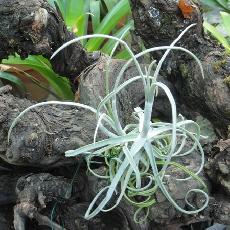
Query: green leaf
[[109, 22], [15, 80], [51, 2], [95, 13], [217, 35], [226, 21], [211, 3], [110, 4], [107, 48], [62, 6], [124, 54], [42, 65], [73, 11], [76, 15], [223, 4]]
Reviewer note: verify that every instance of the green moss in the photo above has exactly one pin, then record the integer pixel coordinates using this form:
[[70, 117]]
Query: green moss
[[217, 65], [114, 152], [227, 80], [184, 70]]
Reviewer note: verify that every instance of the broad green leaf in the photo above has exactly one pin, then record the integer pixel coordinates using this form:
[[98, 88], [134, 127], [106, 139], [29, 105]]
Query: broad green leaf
[[124, 54], [76, 15], [59, 84], [223, 4], [62, 6], [109, 23], [110, 4], [51, 2], [95, 13], [226, 21], [212, 3], [73, 11], [15, 80], [81, 25], [217, 35], [107, 48]]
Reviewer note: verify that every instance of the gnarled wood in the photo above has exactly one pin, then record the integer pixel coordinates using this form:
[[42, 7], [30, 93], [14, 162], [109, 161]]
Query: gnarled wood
[[159, 22], [34, 27]]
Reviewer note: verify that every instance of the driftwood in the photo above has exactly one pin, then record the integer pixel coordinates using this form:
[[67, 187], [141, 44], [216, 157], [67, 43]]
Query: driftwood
[[36, 139], [37, 147], [40, 30], [52, 130], [218, 167], [34, 27], [159, 22], [34, 158]]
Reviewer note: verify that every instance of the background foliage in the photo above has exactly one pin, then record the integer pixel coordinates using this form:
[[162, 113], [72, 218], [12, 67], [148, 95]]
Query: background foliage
[[217, 20], [81, 17]]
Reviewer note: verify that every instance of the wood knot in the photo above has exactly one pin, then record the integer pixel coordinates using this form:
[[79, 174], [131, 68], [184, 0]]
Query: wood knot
[[40, 20]]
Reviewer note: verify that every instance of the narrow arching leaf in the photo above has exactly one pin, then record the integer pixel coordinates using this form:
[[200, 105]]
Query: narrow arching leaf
[[217, 35], [108, 46], [42, 66], [15, 80], [110, 3], [226, 22], [95, 13], [223, 3], [132, 153], [120, 10], [124, 54]]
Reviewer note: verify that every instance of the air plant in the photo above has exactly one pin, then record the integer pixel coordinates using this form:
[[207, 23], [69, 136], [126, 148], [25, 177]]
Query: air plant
[[140, 152]]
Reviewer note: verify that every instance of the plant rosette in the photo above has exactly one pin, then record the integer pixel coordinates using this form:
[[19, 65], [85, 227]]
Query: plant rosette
[[137, 156]]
